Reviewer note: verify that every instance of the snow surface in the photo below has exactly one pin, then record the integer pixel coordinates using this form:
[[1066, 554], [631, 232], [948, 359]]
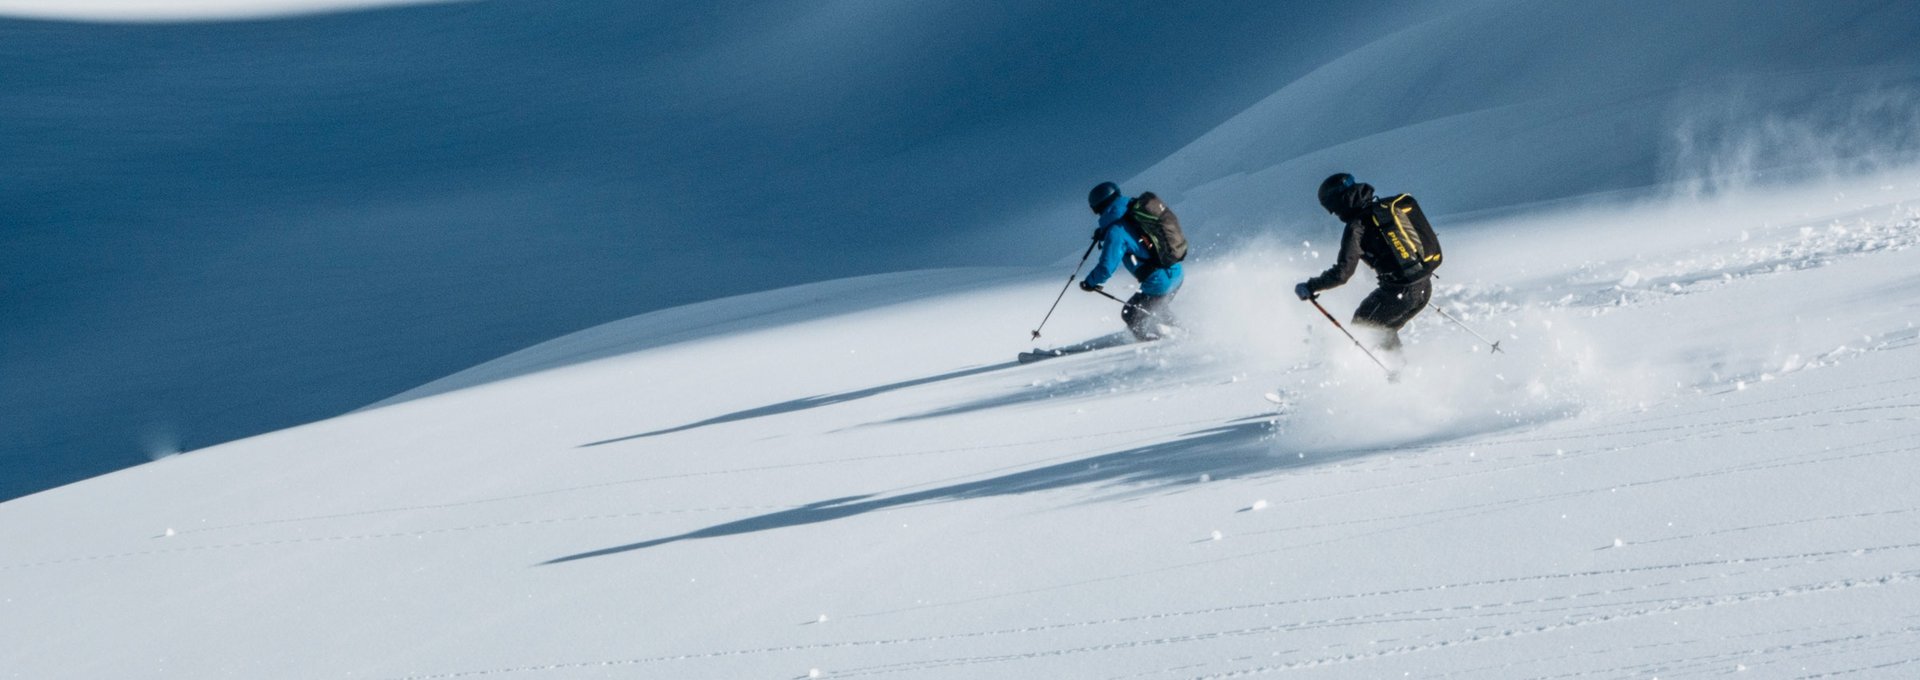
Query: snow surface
[[1694, 457], [217, 229]]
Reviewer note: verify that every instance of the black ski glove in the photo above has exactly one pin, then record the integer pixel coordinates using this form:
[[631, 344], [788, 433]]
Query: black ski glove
[[1303, 291], [1088, 286]]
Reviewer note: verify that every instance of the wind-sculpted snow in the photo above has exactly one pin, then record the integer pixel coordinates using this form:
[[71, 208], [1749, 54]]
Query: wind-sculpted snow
[[1645, 96]]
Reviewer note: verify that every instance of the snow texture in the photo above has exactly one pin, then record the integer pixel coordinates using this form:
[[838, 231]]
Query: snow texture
[[1694, 457], [874, 489]]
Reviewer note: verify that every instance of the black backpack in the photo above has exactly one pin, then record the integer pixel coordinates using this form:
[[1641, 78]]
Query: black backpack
[[1410, 239], [1159, 230]]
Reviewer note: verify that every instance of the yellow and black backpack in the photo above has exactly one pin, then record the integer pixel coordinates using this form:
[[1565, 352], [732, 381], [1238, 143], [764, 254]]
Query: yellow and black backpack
[[1410, 239]]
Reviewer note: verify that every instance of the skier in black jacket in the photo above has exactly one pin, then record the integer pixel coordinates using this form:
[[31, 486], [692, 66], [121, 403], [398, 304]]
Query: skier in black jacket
[[1401, 293]]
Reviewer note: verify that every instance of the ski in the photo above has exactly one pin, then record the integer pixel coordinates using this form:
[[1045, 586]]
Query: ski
[[1103, 342], [1041, 354]]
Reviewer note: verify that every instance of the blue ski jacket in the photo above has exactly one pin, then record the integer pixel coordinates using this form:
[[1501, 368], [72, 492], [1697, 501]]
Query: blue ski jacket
[[1120, 247]]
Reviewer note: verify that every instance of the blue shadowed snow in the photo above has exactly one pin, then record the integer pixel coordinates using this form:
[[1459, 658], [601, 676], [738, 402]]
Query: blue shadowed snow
[[1513, 103], [210, 230]]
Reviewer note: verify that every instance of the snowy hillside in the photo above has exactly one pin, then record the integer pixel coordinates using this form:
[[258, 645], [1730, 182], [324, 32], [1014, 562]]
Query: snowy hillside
[[1692, 460], [1642, 95], [217, 229], [210, 230], [1692, 228]]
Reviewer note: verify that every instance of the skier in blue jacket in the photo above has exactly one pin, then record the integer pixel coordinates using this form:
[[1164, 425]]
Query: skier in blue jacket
[[1121, 244]]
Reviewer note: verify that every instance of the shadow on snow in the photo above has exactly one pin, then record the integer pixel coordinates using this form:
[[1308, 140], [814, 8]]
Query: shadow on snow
[[1237, 449], [807, 403], [1129, 376]]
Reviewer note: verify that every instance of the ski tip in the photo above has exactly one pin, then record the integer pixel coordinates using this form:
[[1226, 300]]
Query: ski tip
[[1274, 397]]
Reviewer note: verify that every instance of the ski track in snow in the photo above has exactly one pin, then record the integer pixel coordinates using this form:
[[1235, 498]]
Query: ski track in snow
[[1638, 608], [1601, 286]]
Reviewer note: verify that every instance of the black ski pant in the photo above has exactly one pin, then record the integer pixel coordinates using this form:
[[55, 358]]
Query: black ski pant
[[1147, 314], [1389, 307]]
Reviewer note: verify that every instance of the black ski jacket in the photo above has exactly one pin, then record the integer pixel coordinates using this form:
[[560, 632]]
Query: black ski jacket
[[1358, 244]]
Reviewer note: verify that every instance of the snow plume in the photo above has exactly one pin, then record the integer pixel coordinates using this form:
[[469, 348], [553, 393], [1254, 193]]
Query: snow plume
[[160, 441], [1747, 137], [1563, 302], [1450, 385], [1242, 307]]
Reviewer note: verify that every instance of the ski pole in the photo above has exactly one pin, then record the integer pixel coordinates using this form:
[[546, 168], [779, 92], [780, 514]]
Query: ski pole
[[1443, 312], [1063, 289], [1343, 330], [1495, 343]]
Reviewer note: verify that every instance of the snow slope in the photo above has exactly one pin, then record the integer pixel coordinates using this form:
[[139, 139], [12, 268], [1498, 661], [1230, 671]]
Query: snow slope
[[219, 228], [225, 227], [1693, 460], [210, 230], [1501, 104]]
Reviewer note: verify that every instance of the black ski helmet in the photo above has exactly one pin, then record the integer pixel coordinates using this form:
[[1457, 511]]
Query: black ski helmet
[[1332, 189], [1102, 196]]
